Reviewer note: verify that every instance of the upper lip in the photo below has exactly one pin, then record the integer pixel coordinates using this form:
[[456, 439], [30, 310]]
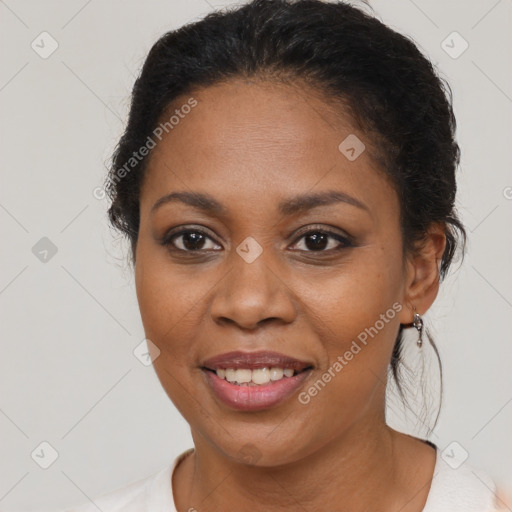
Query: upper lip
[[251, 360]]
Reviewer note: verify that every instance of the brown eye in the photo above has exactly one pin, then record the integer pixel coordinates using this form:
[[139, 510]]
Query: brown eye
[[323, 241], [190, 241]]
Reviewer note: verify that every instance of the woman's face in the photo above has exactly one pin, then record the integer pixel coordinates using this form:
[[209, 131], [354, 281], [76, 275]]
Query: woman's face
[[257, 281]]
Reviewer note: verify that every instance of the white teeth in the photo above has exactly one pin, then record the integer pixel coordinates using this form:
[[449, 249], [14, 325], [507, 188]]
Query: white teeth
[[230, 375], [276, 373], [258, 376], [261, 376], [242, 375]]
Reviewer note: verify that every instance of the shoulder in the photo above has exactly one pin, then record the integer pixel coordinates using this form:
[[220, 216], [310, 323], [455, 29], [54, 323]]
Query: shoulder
[[130, 498], [458, 486], [151, 493]]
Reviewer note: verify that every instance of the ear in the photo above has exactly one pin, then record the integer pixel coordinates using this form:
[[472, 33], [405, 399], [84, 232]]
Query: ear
[[422, 273]]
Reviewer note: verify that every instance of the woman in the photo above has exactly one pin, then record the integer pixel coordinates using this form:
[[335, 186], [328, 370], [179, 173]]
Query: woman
[[287, 183]]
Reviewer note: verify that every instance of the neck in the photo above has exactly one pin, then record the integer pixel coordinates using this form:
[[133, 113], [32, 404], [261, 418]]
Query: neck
[[361, 466]]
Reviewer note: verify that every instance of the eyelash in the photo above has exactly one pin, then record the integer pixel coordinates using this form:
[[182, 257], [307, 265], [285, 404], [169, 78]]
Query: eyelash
[[345, 241]]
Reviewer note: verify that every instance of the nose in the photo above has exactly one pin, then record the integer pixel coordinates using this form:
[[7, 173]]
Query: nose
[[252, 294]]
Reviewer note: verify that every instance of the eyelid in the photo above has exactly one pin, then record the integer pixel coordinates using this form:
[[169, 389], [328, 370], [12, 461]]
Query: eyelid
[[324, 228]]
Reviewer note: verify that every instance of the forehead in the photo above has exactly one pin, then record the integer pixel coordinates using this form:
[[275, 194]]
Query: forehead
[[261, 139], [243, 115]]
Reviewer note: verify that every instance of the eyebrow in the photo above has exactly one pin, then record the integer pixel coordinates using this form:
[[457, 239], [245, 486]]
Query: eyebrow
[[298, 204]]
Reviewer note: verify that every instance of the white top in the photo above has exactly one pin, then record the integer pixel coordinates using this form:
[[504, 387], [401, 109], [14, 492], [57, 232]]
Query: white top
[[464, 489]]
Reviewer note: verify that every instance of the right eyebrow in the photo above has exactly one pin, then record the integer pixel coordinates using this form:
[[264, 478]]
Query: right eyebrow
[[198, 200]]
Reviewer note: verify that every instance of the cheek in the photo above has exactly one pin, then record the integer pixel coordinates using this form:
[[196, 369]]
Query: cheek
[[169, 302], [169, 299], [356, 318], [351, 298], [354, 312]]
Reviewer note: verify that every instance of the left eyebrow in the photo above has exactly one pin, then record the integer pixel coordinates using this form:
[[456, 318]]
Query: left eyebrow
[[306, 202]]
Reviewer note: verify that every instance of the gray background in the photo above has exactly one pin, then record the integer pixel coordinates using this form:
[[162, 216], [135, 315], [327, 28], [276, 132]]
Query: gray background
[[69, 325]]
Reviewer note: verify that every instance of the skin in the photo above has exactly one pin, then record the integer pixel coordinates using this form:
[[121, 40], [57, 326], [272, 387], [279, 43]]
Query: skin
[[251, 145]]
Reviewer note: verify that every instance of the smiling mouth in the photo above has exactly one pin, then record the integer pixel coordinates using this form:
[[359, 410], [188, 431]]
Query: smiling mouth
[[249, 395], [254, 381]]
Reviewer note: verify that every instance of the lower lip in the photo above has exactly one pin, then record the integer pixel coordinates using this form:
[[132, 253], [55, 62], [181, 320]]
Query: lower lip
[[254, 398]]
